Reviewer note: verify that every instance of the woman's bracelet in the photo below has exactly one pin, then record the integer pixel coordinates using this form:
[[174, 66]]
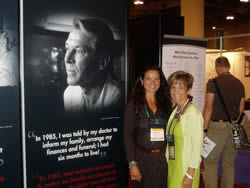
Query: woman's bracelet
[[189, 176], [132, 164]]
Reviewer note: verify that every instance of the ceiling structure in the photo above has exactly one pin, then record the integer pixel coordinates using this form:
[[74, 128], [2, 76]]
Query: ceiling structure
[[215, 10], [152, 7]]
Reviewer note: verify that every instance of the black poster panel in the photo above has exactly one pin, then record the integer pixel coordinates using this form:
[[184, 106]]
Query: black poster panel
[[10, 129], [74, 67]]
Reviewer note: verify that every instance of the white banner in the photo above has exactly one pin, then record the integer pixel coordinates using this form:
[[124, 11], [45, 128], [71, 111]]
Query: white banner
[[189, 58]]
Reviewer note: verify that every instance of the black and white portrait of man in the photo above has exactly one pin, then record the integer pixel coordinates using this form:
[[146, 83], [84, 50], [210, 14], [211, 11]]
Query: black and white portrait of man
[[74, 58], [88, 63]]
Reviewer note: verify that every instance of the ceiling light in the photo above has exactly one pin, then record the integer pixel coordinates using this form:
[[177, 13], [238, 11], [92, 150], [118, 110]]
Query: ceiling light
[[230, 17], [244, 1], [138, 2], [214, 27]]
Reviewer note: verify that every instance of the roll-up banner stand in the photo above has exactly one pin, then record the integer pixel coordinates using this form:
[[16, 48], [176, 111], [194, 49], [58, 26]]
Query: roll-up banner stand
[[74, 94], [189, 55], [10, 129]]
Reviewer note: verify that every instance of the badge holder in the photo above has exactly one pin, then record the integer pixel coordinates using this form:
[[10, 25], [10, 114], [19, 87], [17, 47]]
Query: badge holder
[[171, 147], [156, 129]]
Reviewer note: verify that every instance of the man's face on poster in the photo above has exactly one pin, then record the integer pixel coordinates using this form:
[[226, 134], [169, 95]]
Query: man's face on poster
[[81, 62]]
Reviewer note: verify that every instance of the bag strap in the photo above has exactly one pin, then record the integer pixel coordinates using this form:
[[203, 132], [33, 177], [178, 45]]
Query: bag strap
[[222, 100], [241, 117]]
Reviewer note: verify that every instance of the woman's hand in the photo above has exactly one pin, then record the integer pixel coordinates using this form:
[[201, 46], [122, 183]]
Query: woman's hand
[[188, 178], [135, 173], [187, 183], [204, 135]]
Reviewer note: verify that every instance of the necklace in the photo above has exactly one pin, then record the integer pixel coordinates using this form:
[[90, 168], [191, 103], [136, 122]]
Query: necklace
[[182, 106]]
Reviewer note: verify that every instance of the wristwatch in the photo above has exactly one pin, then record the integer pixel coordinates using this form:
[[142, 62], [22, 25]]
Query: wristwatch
[[205, 130]]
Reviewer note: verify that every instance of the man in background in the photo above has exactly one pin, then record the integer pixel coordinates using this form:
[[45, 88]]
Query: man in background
[[88, 63], [216, 124]]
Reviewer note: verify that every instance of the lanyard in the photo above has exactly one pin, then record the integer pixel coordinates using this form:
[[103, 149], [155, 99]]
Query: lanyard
[[156, 121], [181, 112], [146, 109]]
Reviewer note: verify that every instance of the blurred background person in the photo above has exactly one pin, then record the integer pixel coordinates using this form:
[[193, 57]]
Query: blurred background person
[[216, 124], [146, 115], [184, 134]]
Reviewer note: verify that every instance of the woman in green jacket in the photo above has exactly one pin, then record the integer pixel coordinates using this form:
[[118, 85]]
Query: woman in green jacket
[[184, 134]]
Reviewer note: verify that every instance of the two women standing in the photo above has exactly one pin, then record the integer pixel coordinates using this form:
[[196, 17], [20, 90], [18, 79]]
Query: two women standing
[[146, 117]]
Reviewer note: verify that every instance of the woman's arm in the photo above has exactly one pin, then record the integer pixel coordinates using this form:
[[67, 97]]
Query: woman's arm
[[194, 126], [129, 127], [128, 130]]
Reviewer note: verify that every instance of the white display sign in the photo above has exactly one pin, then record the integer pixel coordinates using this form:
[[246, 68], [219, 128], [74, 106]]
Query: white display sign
[[188, 58]]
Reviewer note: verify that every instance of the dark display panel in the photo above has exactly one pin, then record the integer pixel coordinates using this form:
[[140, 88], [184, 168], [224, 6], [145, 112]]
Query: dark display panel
[[74, 78], [10, 129]]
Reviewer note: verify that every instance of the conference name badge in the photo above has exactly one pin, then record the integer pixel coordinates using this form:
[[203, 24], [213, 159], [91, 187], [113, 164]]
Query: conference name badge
[[157, 134], [171, 147], [171, 151]]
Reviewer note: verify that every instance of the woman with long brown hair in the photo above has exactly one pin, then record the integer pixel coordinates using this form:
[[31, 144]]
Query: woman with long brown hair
[[146, 115]]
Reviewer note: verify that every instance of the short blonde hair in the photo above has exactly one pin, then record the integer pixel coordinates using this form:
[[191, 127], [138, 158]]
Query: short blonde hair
[[186, 77]]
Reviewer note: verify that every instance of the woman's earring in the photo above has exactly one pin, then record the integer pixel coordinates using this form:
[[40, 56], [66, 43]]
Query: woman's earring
[[141, 82]]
